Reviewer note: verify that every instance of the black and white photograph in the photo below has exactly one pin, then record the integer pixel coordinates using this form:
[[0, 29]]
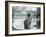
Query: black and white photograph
[[24, 18]]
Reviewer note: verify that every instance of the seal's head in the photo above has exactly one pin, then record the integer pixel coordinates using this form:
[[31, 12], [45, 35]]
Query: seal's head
[[28, 15]]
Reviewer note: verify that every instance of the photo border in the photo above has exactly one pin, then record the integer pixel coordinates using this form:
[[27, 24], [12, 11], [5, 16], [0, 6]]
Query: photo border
[[6, 18]]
